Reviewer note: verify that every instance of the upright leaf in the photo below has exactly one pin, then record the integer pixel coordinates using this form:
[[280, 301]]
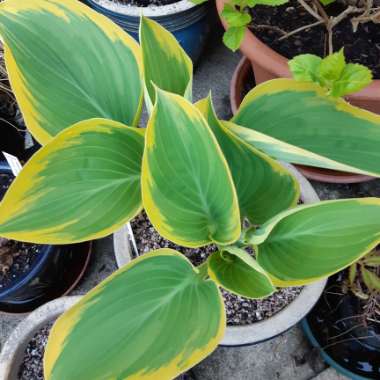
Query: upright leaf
[[235, 17], [297, 122], [83, 185], [305, 67], [371, 280], [263, 186], [68, 63], [166, 64], [153, 319], [235, 270], [331, 67], [187, 188], [310, 242]]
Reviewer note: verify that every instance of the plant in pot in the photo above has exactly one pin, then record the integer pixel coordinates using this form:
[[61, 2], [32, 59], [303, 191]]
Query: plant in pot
[[344, 324], [296, 27], [188, 21], [333, 27], [201, 181], [332, 74]]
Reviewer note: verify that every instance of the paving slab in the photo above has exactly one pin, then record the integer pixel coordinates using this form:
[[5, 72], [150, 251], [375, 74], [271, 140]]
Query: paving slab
[[330, 374], [287, 357]]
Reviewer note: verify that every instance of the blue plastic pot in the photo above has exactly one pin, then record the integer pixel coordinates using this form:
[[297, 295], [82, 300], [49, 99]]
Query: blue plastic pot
[[344, 341], [53, 273], [188, 22]]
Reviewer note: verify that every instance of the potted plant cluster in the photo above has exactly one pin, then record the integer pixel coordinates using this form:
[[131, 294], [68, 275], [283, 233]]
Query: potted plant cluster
[[201, 181], [188, 21]]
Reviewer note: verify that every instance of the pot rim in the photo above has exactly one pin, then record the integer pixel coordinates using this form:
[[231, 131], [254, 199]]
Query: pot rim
[[325, 356], [13, 350], [152, 11], [263, 330], [258, 52]]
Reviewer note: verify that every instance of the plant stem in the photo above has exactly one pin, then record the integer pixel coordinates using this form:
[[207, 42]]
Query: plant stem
[[300, 29], [203, 273], [309, 9]]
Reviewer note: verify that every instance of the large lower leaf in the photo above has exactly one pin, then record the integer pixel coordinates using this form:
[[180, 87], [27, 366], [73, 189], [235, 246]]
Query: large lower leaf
[[151, 320], [83, 185], [67, 63], [263, 186], [187, 187], [314, 241], [166, 64], [304, 126], [235, 270]]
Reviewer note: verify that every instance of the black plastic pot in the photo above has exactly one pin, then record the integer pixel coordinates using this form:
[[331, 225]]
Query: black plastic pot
[[345, 340], [55, 271]]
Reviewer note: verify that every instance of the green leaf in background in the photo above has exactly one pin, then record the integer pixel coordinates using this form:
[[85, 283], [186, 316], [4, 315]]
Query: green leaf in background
[[83, 185], [233, 37], [238, 272], [187, 187], [332, 73], [166, 64], [234, 17], [310, 242], [264, 187], [305, 67], [296, 122], [354, 78], [331, 67], [371, 280], [273, 3], [372, 260], [352, 272], [327, 2], [76, 71], [152, 319]]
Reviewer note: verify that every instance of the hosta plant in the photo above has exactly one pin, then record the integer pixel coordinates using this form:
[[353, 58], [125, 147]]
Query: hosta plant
[[79, 81]]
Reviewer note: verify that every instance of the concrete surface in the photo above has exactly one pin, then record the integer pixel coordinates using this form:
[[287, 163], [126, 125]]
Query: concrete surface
[[287, 357]]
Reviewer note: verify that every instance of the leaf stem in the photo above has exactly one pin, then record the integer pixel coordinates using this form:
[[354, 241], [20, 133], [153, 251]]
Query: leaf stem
[[203, 272]]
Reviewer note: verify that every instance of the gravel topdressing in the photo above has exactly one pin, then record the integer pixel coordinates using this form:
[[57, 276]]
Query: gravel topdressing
[[240, 310], [32, 365]]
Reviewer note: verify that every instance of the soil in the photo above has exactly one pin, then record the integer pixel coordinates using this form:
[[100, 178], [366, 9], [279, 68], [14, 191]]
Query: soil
[[32, 364], [16, 257], [239, 310], [360, 47], [144, 3]]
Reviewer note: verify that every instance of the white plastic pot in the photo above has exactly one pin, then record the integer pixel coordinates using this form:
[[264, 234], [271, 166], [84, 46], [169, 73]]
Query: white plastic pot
[[12, 353]]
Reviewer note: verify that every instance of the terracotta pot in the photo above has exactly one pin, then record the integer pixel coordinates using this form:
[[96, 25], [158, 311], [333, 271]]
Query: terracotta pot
[[267, 64], [242, 74]]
